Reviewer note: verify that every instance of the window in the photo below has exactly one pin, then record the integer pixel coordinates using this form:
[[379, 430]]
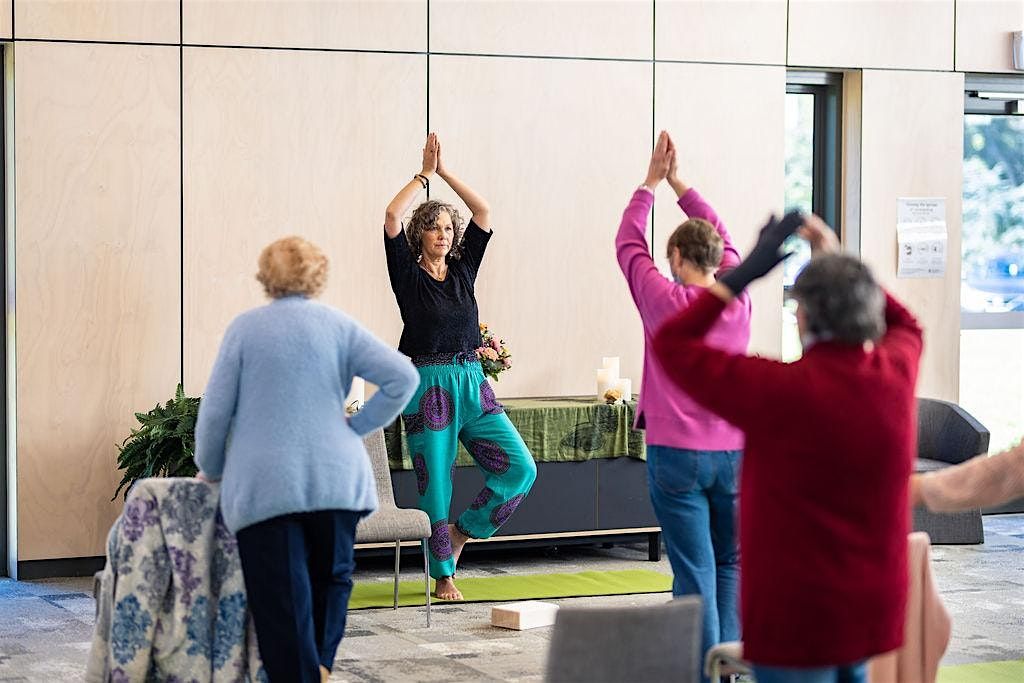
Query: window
[[992, 271], [812, 173]]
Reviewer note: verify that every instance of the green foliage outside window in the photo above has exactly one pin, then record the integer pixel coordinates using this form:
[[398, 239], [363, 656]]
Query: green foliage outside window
[[993, 199]]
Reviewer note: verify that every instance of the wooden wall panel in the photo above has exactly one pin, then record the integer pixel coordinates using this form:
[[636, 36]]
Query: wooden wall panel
[[734, 156], [281, 142], [97, 288], [557, 184], [337, 24], [892, 34], [142, 21], [983, 34], [912, 132], [739, 31], [6, 19], [580, 28]]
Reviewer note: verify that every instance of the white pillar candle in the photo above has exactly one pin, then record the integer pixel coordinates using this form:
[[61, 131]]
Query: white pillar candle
[[625, 387], [605, 381], [357, 394], [611, 363]]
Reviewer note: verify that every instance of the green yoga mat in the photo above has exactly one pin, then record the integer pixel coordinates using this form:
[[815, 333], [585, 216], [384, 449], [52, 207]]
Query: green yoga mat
[[524, 587], [985, 672]]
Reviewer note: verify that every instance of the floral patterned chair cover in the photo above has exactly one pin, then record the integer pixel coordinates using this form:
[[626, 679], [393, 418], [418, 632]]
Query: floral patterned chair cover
[[171, 604]]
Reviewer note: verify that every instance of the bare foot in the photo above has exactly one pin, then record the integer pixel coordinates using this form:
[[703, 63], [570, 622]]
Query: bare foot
[[445, 589], [325, 674], [458, 541]]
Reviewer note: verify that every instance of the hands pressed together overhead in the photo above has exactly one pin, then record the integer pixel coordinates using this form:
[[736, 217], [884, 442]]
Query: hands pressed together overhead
[[768, 252], [432, 157], [663, 161]]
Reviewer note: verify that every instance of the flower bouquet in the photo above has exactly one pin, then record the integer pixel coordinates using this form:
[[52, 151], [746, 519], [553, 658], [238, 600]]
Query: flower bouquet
[[493, 354]]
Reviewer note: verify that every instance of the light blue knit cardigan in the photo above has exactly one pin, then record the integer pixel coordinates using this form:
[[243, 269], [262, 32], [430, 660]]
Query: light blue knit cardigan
[[272, 422]]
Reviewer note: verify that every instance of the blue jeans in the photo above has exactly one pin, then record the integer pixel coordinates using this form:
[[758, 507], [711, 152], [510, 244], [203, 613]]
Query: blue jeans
[[849, 673], [694, 494]]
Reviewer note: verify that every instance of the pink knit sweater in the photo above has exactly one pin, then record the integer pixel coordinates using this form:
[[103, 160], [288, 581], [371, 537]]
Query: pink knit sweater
[[669, 415]]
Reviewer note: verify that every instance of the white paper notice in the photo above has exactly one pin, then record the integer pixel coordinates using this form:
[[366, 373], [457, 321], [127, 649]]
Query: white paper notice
[[921, 233]]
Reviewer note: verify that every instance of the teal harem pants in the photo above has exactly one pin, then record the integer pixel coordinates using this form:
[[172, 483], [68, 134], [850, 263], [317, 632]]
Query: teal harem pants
[[455, 402]]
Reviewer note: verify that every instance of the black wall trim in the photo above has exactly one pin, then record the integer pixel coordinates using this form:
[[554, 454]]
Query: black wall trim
[[69, 566], [3, 346]]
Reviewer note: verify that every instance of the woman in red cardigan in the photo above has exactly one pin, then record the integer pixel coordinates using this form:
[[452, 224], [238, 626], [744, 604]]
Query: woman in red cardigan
[[830, 443]]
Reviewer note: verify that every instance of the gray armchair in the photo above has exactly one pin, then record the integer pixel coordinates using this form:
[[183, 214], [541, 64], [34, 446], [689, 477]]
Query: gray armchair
[[390, 523], [613, 644], [948, 435]]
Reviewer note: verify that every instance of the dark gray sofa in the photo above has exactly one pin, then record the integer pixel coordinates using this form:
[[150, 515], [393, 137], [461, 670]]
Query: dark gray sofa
[[948, 435]]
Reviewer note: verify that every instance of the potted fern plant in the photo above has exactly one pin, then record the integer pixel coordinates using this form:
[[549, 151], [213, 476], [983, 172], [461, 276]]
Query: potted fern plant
[[164, 445]]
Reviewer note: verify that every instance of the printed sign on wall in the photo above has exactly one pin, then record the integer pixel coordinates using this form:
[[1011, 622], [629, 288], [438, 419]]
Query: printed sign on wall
[[922, 236]]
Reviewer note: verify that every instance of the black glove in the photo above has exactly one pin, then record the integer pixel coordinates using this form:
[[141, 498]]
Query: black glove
[[765, 255]]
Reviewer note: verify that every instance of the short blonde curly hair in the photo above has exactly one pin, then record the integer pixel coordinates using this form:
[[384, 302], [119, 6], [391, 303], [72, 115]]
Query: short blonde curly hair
[[292, 265]]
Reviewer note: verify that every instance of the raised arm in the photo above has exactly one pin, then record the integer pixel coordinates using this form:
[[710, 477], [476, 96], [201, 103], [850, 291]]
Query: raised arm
[[407, 195], [477, 205], [980, 482], [655, 297], [694, 206]]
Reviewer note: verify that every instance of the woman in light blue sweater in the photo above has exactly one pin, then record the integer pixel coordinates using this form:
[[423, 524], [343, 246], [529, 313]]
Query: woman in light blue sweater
[[296, 477]]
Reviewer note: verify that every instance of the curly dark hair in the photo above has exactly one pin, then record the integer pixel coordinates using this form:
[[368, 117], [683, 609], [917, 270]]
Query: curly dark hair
[[698, 242], [424, 218], [841, 299]]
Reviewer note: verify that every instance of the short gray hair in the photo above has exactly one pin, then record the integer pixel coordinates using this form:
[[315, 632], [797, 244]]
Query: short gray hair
[[841, 300]]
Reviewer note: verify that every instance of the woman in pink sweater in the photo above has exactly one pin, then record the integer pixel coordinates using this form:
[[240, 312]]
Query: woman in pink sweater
[[693, 456]]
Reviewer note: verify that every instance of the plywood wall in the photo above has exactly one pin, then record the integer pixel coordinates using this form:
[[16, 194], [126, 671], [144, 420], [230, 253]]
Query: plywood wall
[[892, 34], [137, 21], [984, 31], [296, 142], [98, 288], [157, 154], [912, 132]]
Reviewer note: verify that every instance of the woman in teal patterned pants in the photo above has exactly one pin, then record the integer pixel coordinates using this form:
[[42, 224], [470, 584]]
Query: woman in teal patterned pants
[[454, 401], [433, 265]]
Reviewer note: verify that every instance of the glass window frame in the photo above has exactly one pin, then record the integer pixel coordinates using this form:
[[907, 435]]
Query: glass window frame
[[974, 104], [827, 88]]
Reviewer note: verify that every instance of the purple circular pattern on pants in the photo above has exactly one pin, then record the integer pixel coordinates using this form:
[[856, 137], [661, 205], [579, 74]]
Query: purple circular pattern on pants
[[441, 541], [482, 499], [437, 408], [490, 456], [419, 465], [488, 402], [413, 423], [500, 514]]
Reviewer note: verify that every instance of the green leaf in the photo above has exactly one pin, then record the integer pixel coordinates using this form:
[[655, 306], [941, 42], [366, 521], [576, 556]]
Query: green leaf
[[163, 445]]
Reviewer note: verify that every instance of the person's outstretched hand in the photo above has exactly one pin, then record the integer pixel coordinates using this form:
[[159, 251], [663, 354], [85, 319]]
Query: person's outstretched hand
[[765, 255], [431, 152], [441, 170], [662, 159], [673, 159], [822, 238]]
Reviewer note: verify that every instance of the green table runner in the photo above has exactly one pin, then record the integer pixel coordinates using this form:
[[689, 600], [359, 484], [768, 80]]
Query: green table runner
[[565, 429]]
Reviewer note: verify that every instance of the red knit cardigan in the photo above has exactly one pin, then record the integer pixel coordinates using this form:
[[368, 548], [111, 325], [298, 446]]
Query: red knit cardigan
[[824, 517]]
